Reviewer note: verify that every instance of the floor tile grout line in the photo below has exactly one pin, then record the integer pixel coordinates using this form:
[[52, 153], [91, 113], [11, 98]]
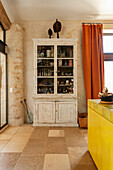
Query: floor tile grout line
[[12, 137], [18, 160], [20, 155], [27, 155], [9, 140], [28, 140]]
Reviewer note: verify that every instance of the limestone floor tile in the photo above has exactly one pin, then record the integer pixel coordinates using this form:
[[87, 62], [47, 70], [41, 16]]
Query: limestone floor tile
[[56, 146], [76, 141], [35, 147], [83, 167], [8, 160], [40, 133], [3, 143], [30, 125], [35, 142], [84, 132], [79, 155], [86, 139], [11, 130], [56, 162], [34, 151], [56, 133], [72, 131], [16, 144], [27, 135], [30, 163], [5, 136], [25, 130]]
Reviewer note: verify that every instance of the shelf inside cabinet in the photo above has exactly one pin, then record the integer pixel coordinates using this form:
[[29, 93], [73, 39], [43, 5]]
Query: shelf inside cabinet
[[46, 77], [45, 85], [45, 66], [64, 85], [44, 58], [66, 66], [64, 76], [66, 58]]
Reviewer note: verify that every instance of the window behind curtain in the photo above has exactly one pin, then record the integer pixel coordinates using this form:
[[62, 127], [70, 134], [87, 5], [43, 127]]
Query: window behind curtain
[[108, 58]]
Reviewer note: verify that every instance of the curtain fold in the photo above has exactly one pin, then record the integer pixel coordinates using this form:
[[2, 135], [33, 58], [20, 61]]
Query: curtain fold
[[93, 59]]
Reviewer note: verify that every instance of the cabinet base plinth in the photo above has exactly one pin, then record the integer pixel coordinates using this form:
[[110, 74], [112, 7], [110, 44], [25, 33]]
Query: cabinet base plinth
[[60, 125]]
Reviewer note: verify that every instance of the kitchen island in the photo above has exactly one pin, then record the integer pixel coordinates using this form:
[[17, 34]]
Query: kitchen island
[[100, 134]]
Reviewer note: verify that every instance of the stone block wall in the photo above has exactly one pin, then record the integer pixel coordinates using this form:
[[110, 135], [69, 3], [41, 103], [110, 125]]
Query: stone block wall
[[15, 75]]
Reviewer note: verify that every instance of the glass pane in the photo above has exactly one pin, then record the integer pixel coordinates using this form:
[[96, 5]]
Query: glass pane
[[45, 70], [65, 52], [3, 88], [107, 30], [45, 52], [65, 85], [108, 44], [108, 66], [45, 86], [1, 34], [45, 67], [65, 69]]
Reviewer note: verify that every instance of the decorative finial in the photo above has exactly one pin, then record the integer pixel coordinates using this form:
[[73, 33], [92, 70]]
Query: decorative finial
[[50, 32], [57, 27]]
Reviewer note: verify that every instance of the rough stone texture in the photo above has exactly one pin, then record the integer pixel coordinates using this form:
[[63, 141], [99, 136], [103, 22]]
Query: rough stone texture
[[3, 88], [15, 75]]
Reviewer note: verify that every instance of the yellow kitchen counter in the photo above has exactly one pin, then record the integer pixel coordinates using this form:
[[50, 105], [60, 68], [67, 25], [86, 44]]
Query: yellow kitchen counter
[[100, 134]]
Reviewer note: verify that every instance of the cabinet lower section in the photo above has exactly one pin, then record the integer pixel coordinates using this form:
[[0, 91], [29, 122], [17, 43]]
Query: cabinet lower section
[[55, 113]]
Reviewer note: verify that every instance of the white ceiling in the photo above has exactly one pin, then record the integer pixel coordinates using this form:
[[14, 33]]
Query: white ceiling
[[32, 10]]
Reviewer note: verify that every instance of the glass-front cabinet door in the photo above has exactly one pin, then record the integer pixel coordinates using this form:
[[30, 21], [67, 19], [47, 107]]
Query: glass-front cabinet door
[[65, 69], [55, 69], [45, 69]]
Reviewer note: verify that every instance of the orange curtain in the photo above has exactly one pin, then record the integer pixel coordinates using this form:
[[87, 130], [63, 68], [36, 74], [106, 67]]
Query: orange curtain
[[93, 59]]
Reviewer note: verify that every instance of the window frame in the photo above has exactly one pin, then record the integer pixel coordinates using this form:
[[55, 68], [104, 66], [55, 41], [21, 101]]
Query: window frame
[[3, 50], [108, 56], [4, 33]]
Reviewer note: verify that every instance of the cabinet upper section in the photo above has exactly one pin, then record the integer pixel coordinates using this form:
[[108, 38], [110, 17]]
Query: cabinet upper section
[[55, 67]]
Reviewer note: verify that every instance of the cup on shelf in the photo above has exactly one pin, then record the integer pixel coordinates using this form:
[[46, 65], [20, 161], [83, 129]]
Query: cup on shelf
[[42, 54], [67, 81], [48, 53], [70, 63], [52, 52], [51, 64], [60, 62], [62, 73], [63, 54]]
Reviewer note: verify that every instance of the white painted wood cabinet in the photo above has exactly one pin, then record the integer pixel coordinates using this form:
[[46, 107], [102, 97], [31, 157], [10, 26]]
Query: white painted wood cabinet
[[65, 112], [55, 82], [45, 112]]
